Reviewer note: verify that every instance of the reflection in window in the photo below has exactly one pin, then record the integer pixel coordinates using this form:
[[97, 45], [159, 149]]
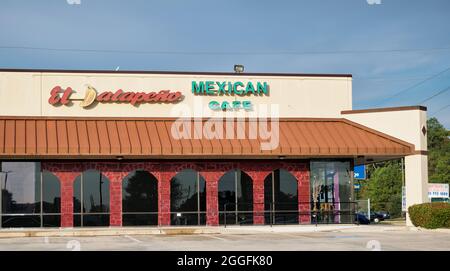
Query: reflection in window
[[140, 199], [236, 208], [188, 198], [22, 185], [20, 198], [91, 199], [281, 198], [51, 200], [331, 192]]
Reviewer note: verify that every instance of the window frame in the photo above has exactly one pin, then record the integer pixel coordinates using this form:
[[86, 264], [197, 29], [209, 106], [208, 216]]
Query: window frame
[[82, 213], [198, 212], [273, 211], [142, 213], [237, 210], [41, 214]]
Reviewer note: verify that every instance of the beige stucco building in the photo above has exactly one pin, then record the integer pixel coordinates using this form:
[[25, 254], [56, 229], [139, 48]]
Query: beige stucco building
[[212, 148]]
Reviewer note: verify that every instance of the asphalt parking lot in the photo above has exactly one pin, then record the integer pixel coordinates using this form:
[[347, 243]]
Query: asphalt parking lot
[[316, 241]]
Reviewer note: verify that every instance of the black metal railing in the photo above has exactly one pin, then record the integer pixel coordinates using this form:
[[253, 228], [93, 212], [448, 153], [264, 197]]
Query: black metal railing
[[289, 213]]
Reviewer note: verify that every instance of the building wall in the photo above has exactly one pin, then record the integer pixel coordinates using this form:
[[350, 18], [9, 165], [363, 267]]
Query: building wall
[[27, 94], [407, 125]]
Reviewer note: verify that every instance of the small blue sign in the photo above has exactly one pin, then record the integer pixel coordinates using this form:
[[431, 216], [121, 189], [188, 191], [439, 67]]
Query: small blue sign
[[359, 172], [357, 186]]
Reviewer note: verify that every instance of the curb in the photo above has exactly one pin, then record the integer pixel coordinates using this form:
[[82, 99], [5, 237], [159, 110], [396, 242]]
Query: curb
[[92, 232], [420, 229]]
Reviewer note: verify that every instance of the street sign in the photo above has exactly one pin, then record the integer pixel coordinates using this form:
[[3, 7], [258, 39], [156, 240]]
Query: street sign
[[357, 186], [359, 172]]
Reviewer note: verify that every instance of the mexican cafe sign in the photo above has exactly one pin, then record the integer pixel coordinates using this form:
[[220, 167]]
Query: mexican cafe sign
[[239, 89]]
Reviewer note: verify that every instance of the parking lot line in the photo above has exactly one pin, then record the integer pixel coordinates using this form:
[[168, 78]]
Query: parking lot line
[[133, 239], [218, 238]]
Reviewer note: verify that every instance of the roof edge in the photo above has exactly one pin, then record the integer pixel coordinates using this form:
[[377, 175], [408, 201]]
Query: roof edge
[[156, 118], [179, 72], [386, 109]]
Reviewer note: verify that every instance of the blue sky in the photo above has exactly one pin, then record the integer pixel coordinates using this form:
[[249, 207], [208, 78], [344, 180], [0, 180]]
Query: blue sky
[[372, 42]]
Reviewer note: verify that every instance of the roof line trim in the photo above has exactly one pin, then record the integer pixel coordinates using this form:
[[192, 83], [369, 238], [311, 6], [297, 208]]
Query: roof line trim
[[180, 73], [155, 118], [386, 109]]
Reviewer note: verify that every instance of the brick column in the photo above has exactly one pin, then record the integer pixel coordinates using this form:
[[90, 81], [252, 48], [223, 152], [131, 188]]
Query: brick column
[[258, 200], [258, 172], [164, 198], [212, 197], [304, 205], [301, 172], [66, 179], [115, 197]]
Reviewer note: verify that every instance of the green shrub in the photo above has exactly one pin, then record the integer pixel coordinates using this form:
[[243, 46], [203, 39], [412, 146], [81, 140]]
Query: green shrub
[[430, 215]]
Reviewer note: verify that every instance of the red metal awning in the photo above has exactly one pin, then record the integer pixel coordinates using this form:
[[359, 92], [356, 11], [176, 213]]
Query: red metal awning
[[146, 138]]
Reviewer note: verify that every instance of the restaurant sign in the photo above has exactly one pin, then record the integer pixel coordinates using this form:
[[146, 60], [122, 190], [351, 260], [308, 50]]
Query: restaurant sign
[[224, 88], [60, 96]]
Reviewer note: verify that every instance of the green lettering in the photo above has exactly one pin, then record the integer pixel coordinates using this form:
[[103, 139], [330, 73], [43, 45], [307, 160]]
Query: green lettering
[[221, 87], [262, 88], [230, 88], [226, 105], [210, 87], [236, 90], [247, 105], [236, 104], [249, 88], [214, 105], [198, 88]]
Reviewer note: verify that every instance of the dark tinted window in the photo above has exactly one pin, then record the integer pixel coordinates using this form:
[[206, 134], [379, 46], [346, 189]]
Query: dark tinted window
[[236, 197], [184, 192], [11, 221], [227, 191], [139, 199], [140, 192], [95, 192], [91, 197], [281, 197], [51, 193], [20, 183], [188, 198], [244, 191]]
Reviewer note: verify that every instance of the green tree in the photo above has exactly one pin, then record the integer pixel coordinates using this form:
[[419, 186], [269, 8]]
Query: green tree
[[438, 152], [384, 183], [384, 187]]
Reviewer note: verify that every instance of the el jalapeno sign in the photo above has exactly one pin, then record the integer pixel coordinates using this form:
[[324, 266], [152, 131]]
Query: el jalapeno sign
[[224, 88], [62, 96]]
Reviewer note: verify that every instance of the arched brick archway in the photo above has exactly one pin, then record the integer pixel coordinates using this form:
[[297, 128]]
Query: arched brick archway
[[164, 171], [210, 171]]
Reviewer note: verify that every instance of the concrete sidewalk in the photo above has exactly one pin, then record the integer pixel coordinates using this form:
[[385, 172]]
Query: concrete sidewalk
[[118, 231]]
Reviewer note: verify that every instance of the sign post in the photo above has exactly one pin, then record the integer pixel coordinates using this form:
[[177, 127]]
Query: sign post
[[403, 199]]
